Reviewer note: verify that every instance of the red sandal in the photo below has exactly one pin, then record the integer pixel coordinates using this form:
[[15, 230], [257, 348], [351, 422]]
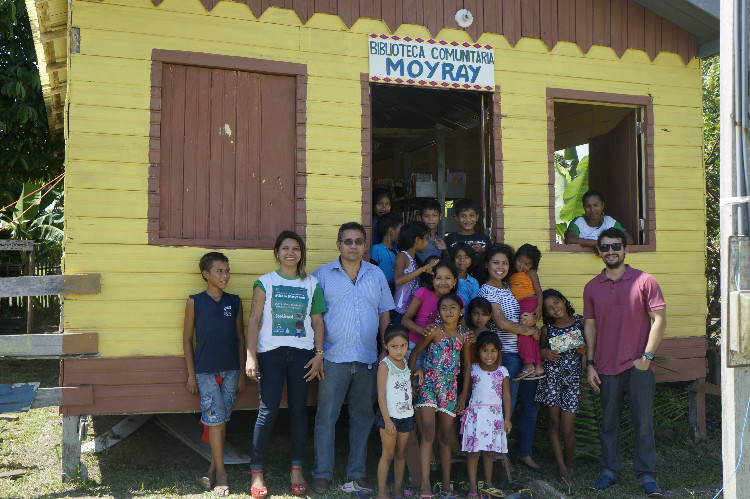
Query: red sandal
[[258, 492], [298, 489]]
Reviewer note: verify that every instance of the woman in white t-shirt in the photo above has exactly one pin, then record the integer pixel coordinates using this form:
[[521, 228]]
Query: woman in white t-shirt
[[585, 230], [284, 344]]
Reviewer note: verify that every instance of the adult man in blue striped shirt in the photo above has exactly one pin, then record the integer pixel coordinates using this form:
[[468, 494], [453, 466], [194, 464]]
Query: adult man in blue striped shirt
[[358, 303]]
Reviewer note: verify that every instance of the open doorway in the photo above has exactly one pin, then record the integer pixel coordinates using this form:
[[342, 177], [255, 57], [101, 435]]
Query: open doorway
[[433, 143]]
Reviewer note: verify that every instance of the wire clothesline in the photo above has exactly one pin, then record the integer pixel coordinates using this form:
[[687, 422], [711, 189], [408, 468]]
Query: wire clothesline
[[56, 181]]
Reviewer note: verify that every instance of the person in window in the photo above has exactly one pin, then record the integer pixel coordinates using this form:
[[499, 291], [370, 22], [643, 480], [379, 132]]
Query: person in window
[[584, 230]]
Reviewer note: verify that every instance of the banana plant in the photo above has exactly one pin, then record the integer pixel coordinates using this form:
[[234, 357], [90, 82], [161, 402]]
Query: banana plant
[[35, 217], [571, 182]]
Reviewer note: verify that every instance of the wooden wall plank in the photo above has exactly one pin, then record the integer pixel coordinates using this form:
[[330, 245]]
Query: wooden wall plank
[[619, 26], [683, 44], [493, 18], [69, 284], [600, 21], [388, 14], [584, 27], [203, 155], [530, 19], [649, 30], [449, 12], [190, 168], [566, 20], [548, 22], [477, 27], [228, 156], [636, 19], [512, 21], [369, 9], [34, 346], [304, 9]]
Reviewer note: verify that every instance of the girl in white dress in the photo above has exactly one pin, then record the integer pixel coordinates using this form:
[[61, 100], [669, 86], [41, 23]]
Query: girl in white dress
[[486, 419]]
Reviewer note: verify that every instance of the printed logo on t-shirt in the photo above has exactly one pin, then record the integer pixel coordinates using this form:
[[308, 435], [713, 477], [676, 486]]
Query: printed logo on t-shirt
[[228, 311], [288, 311]]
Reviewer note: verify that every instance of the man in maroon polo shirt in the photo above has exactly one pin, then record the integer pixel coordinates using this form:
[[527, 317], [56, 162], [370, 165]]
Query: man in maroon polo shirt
[[624, 319]]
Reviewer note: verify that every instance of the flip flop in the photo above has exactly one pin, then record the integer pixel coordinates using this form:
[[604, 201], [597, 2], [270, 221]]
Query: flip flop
[[353, 487], [533, 377], [523, 375], [493, 492], [204, 483]]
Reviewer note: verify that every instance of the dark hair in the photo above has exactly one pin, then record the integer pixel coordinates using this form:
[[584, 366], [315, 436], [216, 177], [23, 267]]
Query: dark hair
[[465, 205], [553, 293], [409, 234], [487, 337], [450, 296], [465, 248], [440, 264], [592, 193], [532, 252], [429, 204], [614, 234], [393, 331], [388, 221], [425, 280], [352, 226], [483, 304], [379, 194], [492, 251], [207, 261], [288, 234]]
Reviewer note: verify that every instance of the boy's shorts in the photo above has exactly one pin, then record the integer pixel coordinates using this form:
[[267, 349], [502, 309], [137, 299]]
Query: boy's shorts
[[403, 425], [217, 401]]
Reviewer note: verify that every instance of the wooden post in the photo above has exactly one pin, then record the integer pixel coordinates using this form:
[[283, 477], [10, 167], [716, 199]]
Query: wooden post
[[697, 409], [30, 299], [735, 381], [72, 468]]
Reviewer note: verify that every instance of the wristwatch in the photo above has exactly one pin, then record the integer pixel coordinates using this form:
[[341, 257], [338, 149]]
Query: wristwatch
[[648, 355], [591, 363]]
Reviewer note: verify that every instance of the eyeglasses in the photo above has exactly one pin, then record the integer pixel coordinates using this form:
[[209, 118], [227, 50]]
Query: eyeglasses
[[349, 242], [605, 247]]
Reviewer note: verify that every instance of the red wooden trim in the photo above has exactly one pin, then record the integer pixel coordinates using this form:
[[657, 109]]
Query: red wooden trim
[[80, 343], [366, 173], [497, 167], [620, 24], [611, 98], [231, 62], [139, 385]]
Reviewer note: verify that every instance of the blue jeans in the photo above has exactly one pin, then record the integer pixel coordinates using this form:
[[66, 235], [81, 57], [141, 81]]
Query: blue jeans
[[525, 390], [217, 401], [640, 386], [276, 366], [359, 381]]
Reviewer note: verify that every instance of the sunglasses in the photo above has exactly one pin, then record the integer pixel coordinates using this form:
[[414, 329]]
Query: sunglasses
[[605, 247], [349, 242]]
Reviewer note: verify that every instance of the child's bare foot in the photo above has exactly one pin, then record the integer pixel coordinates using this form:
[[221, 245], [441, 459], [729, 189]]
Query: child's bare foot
[[567, 478], [539, 370], [528, 367]]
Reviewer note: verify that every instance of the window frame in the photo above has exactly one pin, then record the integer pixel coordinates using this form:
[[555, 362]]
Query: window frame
[[604, 98], [159, 57]]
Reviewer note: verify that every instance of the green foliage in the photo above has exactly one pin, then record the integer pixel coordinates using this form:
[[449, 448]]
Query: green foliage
[[38, 216], [571, 182], [710, 77], [27, 151]]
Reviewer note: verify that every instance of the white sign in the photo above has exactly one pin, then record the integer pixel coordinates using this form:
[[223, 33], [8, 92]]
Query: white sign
[[432, 63]]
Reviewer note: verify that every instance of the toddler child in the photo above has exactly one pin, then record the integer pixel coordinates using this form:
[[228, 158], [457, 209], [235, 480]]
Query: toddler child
[[383, 254], [524, 284], [411, 238], [486, 420], [430, 212], [214, 366], [478, 314], [561, 389], [466, 212], [438, 387], [381, 204], [395, 414], [462, 257]]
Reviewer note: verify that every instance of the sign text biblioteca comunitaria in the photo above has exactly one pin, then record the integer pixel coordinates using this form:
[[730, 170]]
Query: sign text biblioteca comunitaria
[[434, 63]]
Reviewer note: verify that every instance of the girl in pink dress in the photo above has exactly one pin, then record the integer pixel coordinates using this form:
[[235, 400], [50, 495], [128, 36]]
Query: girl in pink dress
[[486, 420]]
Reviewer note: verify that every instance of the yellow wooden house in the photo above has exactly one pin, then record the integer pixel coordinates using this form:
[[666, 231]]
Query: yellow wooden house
[[193, 125]]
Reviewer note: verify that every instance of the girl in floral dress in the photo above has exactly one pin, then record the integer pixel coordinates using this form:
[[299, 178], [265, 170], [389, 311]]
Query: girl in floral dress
[[486, 420], [438, 388]]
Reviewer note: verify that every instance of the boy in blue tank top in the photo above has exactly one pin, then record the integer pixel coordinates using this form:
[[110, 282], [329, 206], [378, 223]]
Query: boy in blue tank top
[[214, 366]]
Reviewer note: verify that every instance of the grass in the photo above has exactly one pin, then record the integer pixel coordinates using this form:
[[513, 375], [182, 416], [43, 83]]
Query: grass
[[152, 464]]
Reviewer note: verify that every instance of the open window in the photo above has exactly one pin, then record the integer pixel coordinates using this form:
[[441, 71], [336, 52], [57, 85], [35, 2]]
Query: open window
[[603, 142], [434, 143]]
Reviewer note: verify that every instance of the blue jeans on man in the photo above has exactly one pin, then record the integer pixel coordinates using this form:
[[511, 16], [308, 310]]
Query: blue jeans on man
[[359, 381], [639, 386]]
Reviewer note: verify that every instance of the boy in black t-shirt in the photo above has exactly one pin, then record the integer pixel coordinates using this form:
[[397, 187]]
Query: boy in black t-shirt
[[216, 366], [466, 212]]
